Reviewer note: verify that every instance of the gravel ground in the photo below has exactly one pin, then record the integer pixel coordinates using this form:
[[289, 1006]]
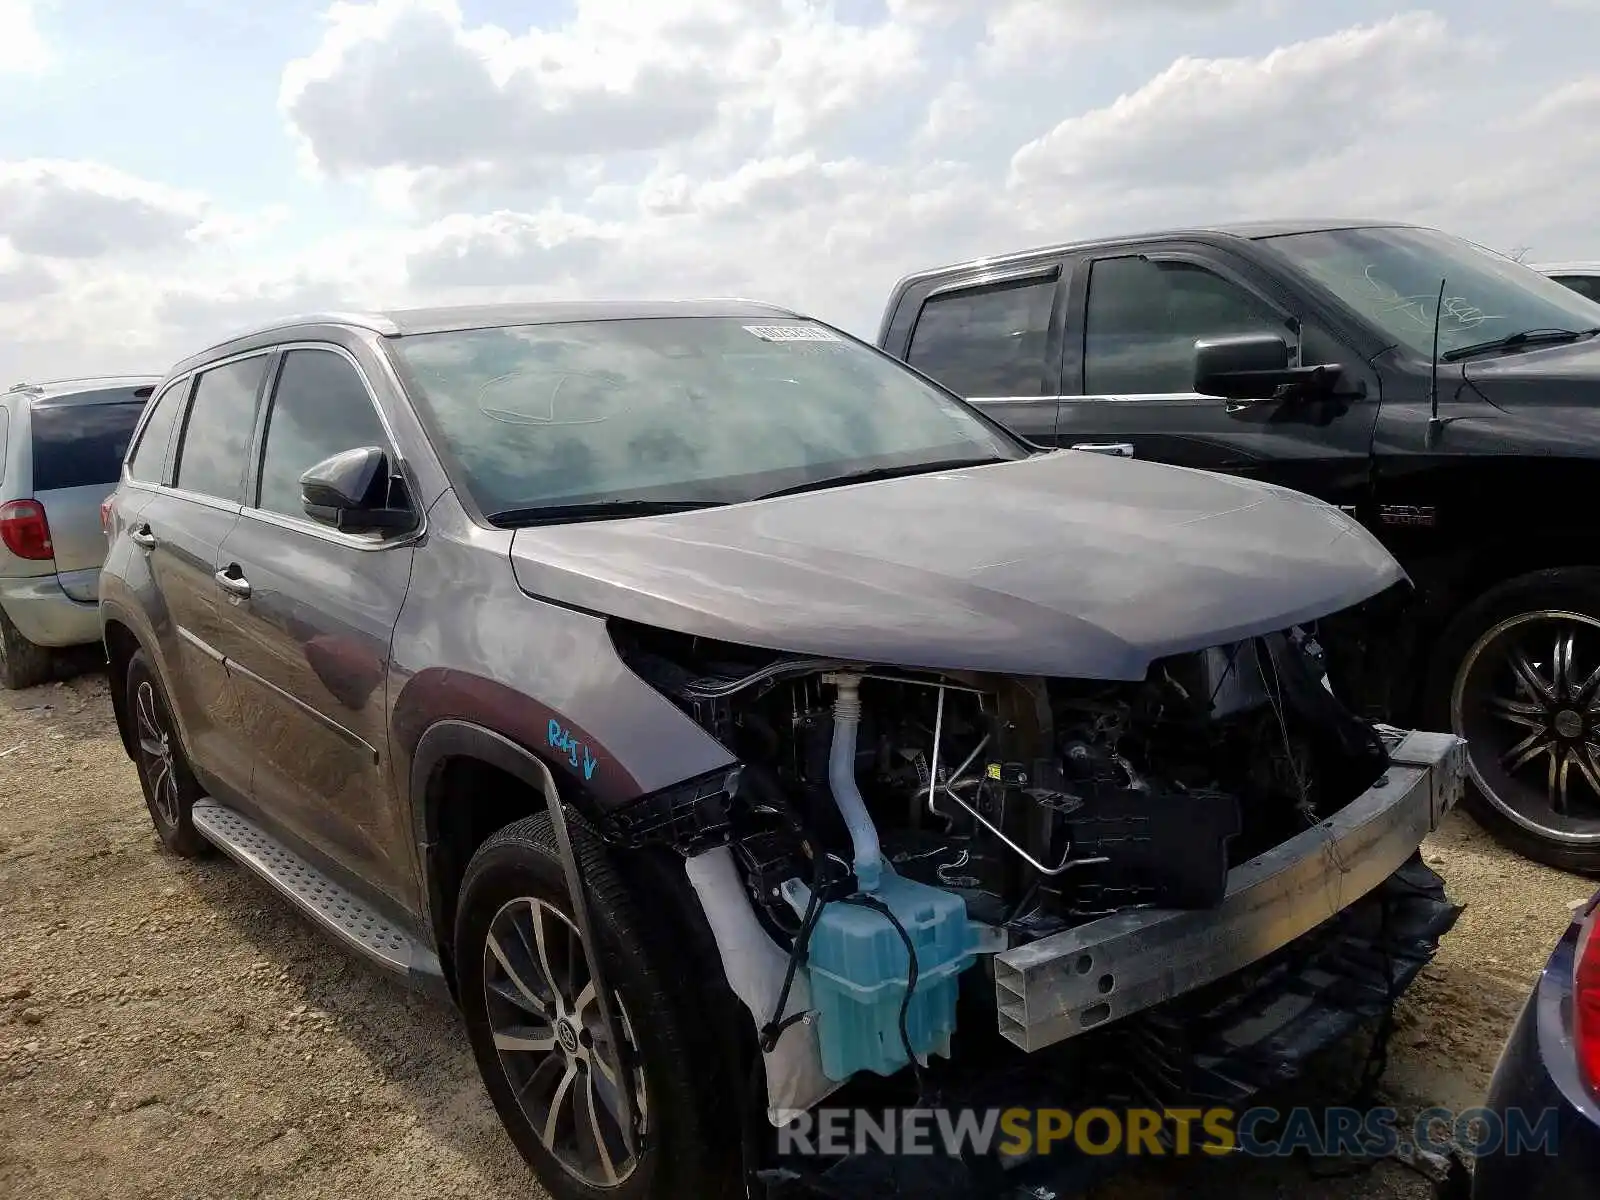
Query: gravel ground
[[171, 1029]]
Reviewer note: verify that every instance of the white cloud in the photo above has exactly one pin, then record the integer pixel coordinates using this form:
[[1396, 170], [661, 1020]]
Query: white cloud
[[804, 151], [22, 46], [450, 109], [62, 209], [543, 250], [404, 83], [1028, 35], [1222, 119]]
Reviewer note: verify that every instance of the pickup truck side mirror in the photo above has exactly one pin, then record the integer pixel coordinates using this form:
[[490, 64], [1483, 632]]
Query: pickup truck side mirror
[[1255, 366], [350, 491]]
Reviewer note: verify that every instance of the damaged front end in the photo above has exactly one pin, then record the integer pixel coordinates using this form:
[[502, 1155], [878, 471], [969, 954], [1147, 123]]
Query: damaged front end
[[1141, 872]]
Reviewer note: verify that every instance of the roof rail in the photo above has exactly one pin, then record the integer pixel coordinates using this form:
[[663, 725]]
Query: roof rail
[[376, 322]]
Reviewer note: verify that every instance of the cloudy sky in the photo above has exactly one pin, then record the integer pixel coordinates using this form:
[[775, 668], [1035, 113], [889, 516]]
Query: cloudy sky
[[171, 170]]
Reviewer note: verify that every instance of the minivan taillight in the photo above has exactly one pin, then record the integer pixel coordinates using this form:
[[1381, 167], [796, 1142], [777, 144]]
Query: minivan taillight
[[24, 530], [1586, 1002], [105, 514]]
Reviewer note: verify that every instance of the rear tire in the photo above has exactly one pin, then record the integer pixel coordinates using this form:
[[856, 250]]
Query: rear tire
[[534, 1030], [1517, 673], [169, 786], [22, 664]]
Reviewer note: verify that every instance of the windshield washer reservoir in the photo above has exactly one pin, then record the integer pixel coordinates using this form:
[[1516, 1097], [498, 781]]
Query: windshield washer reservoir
[[859, 969]]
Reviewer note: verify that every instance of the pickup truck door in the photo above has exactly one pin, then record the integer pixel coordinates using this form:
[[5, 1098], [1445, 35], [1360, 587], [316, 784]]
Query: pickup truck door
[[1133, 317], [994, 338]]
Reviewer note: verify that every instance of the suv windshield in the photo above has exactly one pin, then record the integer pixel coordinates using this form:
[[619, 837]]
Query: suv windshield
[[676, 411], [1391, 276]]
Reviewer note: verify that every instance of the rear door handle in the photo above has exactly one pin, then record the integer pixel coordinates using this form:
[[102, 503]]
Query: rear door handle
[[234, 583], [1118, 449], [143, 537]]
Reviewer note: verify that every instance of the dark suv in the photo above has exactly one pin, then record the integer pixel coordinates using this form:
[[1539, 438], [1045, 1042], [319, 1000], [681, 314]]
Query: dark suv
[[1445, 395], [699, 696]]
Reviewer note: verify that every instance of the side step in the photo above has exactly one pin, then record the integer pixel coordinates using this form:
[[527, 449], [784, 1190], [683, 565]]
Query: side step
[[335, 909]]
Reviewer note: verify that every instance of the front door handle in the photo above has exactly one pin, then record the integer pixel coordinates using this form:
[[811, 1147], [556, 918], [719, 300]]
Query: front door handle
[[143, 537], [1118, 449], [233, 582]]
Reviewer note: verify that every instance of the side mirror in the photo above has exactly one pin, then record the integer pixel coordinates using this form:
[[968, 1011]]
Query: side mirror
[[350, 491], [1255, 366]]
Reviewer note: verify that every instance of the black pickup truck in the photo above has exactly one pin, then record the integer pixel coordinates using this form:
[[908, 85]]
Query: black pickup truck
[[1446, 395]]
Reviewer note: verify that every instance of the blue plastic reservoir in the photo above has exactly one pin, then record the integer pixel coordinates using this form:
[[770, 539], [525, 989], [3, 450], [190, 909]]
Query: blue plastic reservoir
[[858, 972]]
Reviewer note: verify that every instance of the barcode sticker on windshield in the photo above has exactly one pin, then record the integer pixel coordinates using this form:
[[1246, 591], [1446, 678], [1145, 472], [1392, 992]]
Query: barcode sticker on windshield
[[792, 333]]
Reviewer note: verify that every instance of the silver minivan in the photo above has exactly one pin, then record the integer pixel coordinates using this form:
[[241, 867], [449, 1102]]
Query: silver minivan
[[61, 448]]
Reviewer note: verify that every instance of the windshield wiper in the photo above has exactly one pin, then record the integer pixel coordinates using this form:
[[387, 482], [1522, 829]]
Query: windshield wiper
[[871, 473], [598, 510], [1528, 337]]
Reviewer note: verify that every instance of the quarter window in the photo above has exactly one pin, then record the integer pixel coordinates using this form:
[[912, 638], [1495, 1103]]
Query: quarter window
[[149, 459], [1144, 317], [216, 437], [987, 341], [320, 407]]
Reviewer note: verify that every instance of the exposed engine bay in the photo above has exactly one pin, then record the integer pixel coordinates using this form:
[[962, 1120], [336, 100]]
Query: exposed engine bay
[[887, 829], [1042, 803]]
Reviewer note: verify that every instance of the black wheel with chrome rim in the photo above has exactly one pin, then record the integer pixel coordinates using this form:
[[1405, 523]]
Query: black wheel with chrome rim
[[555, 1075], [1525, 693], [554, 1048], [169, 787]]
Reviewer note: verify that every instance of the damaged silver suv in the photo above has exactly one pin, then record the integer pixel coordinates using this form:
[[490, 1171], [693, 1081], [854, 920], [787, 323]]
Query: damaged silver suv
[[726, 717]]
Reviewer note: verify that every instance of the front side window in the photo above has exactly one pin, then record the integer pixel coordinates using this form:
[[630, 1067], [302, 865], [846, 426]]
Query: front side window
[[320, 408], [216, 437], [82, 444], [700, 410], [1144, 317], [987, 341], [1392, 275], [149, 459]]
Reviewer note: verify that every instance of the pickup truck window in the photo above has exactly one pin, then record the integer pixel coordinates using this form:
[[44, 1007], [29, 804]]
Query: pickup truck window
[[1391, 277], [986, 341], [1144, 317], [1584, 285]]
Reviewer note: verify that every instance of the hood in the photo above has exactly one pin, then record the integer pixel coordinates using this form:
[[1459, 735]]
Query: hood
[[1065, 564], [1552, 375]]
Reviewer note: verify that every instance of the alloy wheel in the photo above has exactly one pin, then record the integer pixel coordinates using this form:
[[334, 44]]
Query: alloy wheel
[[1527, 699], [553, 1044], [157, 753]]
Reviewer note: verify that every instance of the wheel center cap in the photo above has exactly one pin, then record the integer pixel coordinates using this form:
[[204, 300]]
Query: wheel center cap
[[568, 1036], [1568, 723]]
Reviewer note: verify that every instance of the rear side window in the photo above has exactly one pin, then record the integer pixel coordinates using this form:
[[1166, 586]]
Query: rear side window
[[319, 408], [150, 456], [987, 341], [1144, 318], [76, 445], [1584, 285], [216, 437]]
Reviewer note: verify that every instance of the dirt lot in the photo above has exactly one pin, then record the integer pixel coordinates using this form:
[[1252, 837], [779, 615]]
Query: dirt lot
[[171, 1029]]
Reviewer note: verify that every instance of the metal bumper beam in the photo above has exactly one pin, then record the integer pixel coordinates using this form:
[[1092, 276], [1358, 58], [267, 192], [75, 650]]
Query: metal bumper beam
[[1084, 978]]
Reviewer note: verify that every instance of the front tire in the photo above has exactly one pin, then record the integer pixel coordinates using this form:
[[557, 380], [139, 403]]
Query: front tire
[[1517, 673], [169, 786], [541, 1048]]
